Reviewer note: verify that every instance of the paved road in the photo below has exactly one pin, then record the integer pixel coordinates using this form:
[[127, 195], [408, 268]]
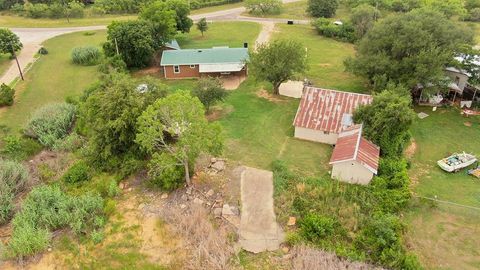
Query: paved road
[[32, 38], [259, 230]]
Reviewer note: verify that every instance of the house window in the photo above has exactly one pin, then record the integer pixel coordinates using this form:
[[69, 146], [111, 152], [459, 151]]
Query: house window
[[457, 80], [326, 132], [192, 66], [176, 69]]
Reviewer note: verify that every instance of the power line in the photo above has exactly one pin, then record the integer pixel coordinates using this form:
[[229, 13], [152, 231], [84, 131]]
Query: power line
[[447, 202]]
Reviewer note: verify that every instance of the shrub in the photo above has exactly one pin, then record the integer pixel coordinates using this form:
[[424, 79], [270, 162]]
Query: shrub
[[79, 172], [86, 56], [474, 15], [70, 143], [344, 32], [13, 178], [11, 145], [113, 189], [36, 10], [322, 8], [209, 91], [97, 236], [43, 51], [315, 228], [46, 209], [263, 7], [164, 171], [112, 64], [6, 95], [51, 123]]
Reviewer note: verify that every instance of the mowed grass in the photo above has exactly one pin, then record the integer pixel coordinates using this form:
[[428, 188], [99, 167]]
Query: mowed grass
[[232, 34], [259, 130], [325, 58], [52, 78], [445, 237], [4, 63]]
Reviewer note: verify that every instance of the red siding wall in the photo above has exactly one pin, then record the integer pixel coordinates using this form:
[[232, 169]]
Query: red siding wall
[[187, 72]]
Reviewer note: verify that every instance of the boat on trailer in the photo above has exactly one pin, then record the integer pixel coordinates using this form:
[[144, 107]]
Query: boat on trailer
[[456, 162]]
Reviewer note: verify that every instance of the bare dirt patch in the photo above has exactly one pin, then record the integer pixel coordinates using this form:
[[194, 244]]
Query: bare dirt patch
[[270, 97], [411, 149], [468, 124], [324, 64]]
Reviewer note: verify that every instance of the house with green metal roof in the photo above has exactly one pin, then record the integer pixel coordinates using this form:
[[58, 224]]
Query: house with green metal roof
[[195, 63]]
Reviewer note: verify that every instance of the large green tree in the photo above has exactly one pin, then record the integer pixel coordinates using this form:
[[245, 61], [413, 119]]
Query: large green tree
[[132, 40], [408, 49], [387, 120], [363, 18], [9, 42], [175, 131], [182, 10], [163, 20], [108, 116], [322, 8], [278, 61]]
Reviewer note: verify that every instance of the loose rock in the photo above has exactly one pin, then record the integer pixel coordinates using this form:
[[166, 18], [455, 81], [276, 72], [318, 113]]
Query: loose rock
[[217, 212], [197, 201], [218, 166], [183, 206], [210, 193], [292, 221], [164, 196]]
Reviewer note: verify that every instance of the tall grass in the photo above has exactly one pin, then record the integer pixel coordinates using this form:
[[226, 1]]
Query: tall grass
[[13, 177], [86, 56], [51, 123]]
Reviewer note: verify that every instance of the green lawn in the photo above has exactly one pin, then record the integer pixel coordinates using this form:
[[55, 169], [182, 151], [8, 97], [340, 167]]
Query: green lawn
[[52, 78], [326, 57], [4, 63], [217, 35], [443, 237], [260, 131]]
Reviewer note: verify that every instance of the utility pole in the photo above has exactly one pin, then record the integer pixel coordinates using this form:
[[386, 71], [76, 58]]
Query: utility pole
[[16, 60]]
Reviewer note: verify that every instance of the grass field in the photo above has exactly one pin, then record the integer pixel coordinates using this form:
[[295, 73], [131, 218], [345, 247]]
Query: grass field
[[445, 237], [52, 78], [259, 130], [4, 63], [216, 35], [325, 58]]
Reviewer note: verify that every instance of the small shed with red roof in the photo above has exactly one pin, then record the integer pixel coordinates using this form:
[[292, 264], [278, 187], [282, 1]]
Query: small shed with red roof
[[323, 113], [354, 158]]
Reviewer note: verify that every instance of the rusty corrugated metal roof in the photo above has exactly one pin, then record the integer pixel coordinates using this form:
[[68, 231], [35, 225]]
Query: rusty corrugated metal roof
[[324, 109], [352, 146]]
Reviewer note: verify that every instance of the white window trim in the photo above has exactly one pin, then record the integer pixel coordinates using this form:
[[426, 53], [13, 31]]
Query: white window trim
[[192, 66], [175, 67]]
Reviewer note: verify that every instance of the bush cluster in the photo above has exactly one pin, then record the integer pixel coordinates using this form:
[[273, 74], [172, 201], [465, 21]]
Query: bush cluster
[[322, 8], [86, 56], [120, 6], [13, 177], [72, 9], [7, 94], [51, 123], [316, 228], [47, 209], [196, 4], [77, 173], [344, 32]]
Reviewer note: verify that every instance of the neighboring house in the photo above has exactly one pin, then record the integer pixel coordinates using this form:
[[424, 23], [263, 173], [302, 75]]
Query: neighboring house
[[323, 114], [195, 63], [459, 79], [354, 159]]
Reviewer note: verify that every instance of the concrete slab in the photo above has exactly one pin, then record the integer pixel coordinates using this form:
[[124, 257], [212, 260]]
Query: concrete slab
[[259, 230], [291, 89]]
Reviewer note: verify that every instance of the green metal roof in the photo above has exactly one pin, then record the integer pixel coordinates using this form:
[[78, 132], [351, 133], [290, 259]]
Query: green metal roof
[[216, 55], [173, 44]]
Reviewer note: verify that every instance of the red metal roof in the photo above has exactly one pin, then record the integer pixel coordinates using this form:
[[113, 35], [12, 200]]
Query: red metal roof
[[324, 110], [352, 146]]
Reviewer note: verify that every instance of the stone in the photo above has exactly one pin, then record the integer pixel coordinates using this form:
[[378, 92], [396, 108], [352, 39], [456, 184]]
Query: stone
[[130, 189], [217, 212], [213, 160], [121, 185], [285, 249], [183, 206], [292, 221], [141, 206], [49, 249], [228, 210], [210, 193], [209, 204], [184, 197], [219, 166], [189, 191], [197, 201], [164, 196]]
